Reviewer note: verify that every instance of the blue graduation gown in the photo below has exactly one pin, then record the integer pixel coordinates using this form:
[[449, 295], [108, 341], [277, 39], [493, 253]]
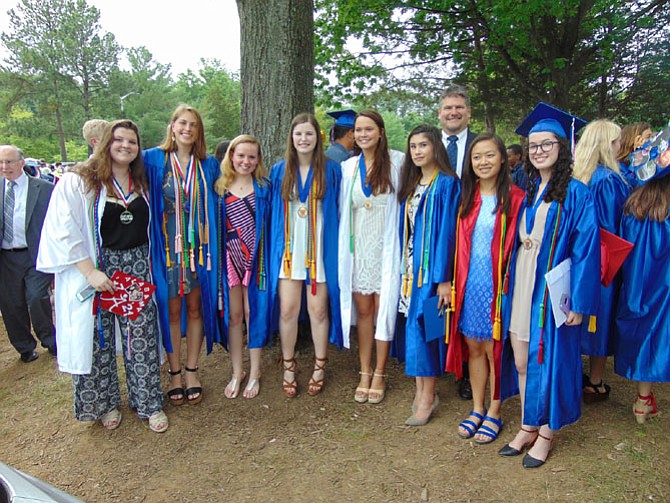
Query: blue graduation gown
[[610, 192], [330, 243], [642, 340], [155, 164], [554, 387], [427, 359], [258, 331]]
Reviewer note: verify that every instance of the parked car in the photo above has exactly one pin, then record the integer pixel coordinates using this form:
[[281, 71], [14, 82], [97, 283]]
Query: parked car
[[19, 487]]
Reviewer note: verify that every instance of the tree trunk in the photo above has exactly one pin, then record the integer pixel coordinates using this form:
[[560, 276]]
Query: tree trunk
[[59, 122], [277, 69]]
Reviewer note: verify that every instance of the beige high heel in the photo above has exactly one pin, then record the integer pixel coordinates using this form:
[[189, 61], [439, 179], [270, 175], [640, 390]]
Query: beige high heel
[[361, 394]]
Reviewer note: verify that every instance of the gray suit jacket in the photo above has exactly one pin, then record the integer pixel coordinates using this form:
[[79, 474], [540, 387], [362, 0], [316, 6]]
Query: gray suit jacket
[[39, 194]]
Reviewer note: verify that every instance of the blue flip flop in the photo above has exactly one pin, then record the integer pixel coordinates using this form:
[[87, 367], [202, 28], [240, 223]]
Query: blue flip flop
[[470, 426], [487, 431]]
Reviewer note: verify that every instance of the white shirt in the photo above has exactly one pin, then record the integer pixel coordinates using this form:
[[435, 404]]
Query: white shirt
[[19, 221], [461, 144]]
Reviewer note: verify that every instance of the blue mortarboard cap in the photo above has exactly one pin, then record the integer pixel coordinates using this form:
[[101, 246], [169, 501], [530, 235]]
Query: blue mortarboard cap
[[344, 118], [652, 160], [546, 118]]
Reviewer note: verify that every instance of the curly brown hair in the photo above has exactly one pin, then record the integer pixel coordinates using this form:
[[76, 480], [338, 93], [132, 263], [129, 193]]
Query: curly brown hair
[[561, 174], [97, 170]]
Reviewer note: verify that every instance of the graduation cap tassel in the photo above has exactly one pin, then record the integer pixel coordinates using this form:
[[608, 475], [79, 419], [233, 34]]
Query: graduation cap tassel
[[496, 330]]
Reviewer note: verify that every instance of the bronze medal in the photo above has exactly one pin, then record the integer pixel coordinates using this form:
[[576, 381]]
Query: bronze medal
[[302, 211], [368, 204], [527, 244]]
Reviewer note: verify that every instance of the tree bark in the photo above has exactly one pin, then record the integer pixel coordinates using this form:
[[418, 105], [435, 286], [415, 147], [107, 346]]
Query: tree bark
[[277, 69]]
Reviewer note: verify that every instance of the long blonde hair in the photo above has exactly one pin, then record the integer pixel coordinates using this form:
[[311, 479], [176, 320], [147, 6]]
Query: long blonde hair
[[594, 148], [228, 172]]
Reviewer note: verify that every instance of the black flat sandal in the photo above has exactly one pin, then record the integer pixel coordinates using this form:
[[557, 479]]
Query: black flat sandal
[[594, 394], [176, 395], [193, 390]]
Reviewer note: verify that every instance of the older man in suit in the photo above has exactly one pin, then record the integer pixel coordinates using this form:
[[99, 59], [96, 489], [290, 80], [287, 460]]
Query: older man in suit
[[454, 114], [24, 294]]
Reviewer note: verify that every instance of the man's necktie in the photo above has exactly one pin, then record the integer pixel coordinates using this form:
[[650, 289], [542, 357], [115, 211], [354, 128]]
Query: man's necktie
[[9, 213], [452, 152]]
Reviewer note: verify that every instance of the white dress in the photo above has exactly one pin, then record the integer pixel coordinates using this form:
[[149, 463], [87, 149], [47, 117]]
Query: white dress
[[369, 214], [299, 243], [390, 258]]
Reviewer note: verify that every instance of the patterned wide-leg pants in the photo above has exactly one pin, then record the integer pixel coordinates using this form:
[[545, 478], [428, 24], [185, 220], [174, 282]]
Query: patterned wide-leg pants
[[97, 393]]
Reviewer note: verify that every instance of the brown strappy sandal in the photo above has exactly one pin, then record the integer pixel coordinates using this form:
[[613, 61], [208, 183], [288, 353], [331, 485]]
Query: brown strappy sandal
[[315, 386]]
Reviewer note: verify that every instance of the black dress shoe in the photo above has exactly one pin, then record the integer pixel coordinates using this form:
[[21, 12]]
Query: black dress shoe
[[531, 462], [465, 389], [29, 356], [509, 451]]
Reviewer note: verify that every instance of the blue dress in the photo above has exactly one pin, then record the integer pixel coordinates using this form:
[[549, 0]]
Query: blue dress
[[554, 381], [155, 164], [642, 340], [259, 291], [475, 321], [330, 244], [427, 359], [610, 192]]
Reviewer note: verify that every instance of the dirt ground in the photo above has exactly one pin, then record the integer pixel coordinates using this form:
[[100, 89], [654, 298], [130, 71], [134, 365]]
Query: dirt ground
[[324, 448]]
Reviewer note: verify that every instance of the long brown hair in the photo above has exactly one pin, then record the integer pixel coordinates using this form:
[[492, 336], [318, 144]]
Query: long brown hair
[[199, 148], [628, 136], [288, 183], [650, 200], [97, 170], [228, 171], [379, 177], [469, 178], [410, 175]]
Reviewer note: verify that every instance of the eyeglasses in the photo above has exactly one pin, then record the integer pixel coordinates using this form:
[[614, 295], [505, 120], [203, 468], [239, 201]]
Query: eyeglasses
[[545, 146]]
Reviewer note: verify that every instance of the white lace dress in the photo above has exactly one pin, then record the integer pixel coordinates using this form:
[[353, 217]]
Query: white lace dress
[[369, 215]]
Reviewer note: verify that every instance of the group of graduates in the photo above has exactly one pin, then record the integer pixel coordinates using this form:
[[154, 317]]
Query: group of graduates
[[431, 269]]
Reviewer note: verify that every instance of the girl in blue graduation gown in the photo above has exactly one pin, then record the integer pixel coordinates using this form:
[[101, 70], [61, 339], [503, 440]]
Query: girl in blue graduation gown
[[596, 166], [642, 342], [243, 222], [303, 248], [183, 245], [429, 197], [558, 222]]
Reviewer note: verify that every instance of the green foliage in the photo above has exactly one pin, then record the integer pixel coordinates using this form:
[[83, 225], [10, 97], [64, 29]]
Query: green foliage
[[584, 55], [62, 70]]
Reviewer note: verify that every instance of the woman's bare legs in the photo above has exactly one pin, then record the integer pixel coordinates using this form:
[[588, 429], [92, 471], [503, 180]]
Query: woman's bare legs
[[317, 307], [365, 330], [236, 339], [290, 292], [520, 348], [194, 338]]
